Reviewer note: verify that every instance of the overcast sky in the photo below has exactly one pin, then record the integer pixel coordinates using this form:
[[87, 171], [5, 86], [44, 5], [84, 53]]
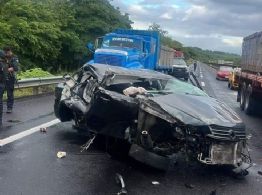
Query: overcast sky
[[208, 24]]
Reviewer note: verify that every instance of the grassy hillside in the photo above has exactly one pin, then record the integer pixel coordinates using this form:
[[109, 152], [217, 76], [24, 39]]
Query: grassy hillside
[[208, 55]]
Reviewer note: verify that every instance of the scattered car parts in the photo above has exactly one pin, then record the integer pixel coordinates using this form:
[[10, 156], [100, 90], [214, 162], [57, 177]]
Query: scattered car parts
[[88, 143], [155, 183], [61, 154], [120, 180]]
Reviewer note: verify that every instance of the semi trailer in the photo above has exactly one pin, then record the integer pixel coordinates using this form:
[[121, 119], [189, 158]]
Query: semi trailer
[[250, 78]]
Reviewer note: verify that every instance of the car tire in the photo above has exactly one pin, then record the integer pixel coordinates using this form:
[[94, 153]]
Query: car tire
[[249, 107], [62, 112], [186, 79], [242, 96], [117, 148]]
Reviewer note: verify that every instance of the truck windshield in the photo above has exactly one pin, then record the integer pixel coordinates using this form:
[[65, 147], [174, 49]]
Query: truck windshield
[[122, 42], [179, 61]]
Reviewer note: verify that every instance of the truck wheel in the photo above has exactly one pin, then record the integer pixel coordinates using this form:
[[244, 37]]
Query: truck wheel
[[242, 96], [249, 101]]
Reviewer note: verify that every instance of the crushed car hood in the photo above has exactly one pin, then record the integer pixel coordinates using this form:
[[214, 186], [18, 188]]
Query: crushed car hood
[[197, 110]]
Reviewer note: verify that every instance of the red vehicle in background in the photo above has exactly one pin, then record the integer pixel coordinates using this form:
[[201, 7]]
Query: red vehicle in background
[[179, 54], [224, 72]]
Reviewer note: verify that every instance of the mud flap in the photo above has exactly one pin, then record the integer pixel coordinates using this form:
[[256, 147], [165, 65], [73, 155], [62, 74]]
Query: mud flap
[[150, 158]]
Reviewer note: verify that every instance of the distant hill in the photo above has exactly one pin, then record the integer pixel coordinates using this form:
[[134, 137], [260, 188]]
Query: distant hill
[[208, 55], [194, 53]]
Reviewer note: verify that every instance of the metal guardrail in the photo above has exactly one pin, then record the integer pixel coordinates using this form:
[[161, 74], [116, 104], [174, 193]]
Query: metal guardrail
[[37, 82]]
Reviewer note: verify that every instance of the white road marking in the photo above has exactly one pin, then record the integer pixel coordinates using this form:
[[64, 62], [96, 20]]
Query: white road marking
[[203, 84], [201, 76], [27, 132]]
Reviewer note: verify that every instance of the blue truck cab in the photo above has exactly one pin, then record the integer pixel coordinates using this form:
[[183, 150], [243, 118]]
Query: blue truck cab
[[129, 49], [137, 49]]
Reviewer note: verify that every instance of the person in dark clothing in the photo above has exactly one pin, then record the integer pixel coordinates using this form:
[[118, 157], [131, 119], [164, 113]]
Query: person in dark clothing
[[195, 66], [8, 68]]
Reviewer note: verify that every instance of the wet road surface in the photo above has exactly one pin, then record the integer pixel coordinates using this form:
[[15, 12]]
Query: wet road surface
[[30, 165]]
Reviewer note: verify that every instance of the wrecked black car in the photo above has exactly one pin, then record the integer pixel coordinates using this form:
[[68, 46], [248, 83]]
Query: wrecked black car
[[158, 115]]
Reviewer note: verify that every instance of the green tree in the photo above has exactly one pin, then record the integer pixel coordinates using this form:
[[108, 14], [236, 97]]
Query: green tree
[[95, 18], [52, 34], [165, 38]]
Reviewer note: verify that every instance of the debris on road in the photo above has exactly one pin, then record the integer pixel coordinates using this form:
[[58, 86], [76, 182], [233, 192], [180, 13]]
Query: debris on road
[[43, 130], [155, 183], [88, 143], [13, 121], [120, 180], [189, 186], [61, 154]]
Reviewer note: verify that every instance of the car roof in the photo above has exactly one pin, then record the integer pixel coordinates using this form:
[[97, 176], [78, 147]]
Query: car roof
[[103, 69]]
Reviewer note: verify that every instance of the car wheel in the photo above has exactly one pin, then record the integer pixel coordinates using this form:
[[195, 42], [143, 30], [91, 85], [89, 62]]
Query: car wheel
[[117, 148], [242, 96], [186, 79], [249, 107]]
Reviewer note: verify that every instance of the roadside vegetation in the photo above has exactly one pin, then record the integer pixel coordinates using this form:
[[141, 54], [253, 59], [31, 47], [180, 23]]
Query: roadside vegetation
[[51, 35], [33, 73]]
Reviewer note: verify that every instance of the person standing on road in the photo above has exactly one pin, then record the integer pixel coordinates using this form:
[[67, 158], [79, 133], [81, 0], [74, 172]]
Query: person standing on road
[[8, 68], [195, 66]]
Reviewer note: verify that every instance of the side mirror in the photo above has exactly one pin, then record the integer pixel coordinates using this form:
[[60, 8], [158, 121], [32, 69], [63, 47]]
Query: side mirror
[[90, 47]]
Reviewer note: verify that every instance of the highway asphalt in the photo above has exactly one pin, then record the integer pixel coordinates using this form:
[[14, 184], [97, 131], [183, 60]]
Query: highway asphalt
[[30, 165]]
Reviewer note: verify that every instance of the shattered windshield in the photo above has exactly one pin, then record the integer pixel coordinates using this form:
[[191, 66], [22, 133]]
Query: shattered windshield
[[154, 86], [176, 86]]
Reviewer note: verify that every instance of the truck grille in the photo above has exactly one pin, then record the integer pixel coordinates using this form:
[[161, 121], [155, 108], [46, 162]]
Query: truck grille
[[227, 133], [114, 60]]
